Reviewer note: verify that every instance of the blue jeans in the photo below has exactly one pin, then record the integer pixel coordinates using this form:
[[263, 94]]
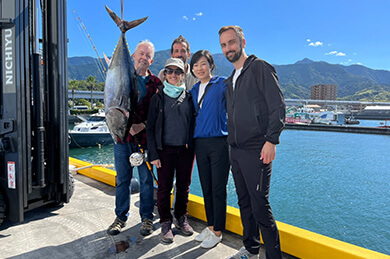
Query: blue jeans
[[124, 173]]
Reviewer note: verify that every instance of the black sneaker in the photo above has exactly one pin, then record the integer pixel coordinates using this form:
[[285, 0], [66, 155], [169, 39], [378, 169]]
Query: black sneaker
[[146, 227], [116, 227]]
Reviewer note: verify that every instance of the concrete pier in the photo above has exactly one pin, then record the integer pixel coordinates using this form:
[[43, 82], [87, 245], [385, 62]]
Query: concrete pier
[[339, 128], [78, 230]]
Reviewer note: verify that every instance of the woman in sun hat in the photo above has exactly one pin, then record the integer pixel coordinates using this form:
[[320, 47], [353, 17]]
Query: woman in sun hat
[[170, 143]]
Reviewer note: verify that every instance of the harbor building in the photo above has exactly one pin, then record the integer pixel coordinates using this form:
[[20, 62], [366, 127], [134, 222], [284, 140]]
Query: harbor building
[[375, 112], [323, 92]]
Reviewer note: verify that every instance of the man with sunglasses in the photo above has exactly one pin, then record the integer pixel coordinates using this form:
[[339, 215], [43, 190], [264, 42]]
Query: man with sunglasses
[[180, 48], [147, 85], [256, 112]]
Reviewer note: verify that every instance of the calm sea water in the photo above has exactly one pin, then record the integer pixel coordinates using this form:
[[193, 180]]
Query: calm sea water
[[334, 184]]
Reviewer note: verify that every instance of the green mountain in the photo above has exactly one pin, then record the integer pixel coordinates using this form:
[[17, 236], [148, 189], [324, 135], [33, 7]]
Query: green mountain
[[79, 68], [354, 82], [305, 74], [160, 57], [376, 93], [380, 76]]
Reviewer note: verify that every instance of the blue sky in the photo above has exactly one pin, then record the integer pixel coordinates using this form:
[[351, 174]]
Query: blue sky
[[280, 31]]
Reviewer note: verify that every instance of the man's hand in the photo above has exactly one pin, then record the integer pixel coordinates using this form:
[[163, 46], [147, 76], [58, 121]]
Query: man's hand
[[268, 152], [156, 162], [142, 68], [136, 128]]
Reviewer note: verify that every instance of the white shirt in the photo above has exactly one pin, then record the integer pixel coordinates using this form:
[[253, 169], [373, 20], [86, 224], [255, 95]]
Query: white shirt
[[202, 88], [236, 75]]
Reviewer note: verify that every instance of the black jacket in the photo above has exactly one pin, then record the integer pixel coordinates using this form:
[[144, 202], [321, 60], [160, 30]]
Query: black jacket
[[155, 124], [256, 108]]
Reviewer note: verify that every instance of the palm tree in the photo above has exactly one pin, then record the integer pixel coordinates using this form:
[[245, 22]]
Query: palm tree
[[73, 84], [91, 80]]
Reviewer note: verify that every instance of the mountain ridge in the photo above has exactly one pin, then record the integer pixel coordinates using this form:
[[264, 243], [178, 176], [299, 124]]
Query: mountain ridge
[[295, 79]]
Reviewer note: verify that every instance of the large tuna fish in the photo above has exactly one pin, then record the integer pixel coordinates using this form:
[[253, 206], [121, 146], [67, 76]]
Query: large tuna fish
[[119, 92]]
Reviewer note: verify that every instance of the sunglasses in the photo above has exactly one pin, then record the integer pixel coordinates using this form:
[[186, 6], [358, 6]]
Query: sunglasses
[[176, 71]]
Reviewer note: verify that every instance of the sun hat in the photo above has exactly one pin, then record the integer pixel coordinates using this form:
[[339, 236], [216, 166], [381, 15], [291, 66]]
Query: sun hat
[[175, 62]]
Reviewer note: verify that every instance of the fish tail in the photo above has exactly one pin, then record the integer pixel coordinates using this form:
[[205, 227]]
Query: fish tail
[[113, 15], [123, 25]]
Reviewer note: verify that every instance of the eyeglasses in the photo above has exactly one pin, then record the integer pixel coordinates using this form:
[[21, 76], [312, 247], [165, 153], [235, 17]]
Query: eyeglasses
[[169, 71]]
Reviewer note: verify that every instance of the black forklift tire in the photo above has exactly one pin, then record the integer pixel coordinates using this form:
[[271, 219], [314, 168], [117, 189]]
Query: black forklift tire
[[3, 208], [70, 191]]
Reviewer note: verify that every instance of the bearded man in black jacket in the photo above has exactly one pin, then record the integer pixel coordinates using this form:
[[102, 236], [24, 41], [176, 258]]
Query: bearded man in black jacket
[[256, 112]]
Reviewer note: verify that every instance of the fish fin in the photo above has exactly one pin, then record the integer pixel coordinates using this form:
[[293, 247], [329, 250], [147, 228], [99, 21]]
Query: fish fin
[[108, 61], [121, 101], [132, 24], [113, 15], [123, 25]]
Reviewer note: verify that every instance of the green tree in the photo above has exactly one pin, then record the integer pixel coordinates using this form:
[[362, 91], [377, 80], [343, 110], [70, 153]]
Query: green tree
[[73, 85], [91, 80], [84, 102], [100, 87], [99, 105]]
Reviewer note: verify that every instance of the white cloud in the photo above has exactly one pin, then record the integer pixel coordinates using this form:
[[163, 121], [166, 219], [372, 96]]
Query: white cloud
[[193, 18], [359, 63], [336, 53], [316, 44], [308, 40], [331, 53]]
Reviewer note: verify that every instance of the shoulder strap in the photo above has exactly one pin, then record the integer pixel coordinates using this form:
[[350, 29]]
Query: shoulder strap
[[201, 99], [180, 99], [182, 96]]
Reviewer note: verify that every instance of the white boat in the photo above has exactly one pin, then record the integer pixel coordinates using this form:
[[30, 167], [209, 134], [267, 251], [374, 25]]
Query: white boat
[[93, 132], [303, 114], [330, 118], [298, 118]]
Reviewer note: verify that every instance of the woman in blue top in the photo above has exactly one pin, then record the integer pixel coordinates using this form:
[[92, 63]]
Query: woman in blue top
[[211, 148]]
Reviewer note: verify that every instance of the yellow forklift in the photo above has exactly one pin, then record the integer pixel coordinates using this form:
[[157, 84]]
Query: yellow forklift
[[33, 107]]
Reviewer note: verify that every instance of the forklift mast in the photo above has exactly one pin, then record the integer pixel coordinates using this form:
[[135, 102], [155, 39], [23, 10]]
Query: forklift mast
[[33, 106]]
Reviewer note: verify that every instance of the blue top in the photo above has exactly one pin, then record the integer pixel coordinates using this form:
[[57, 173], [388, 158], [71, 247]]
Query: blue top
[[212, 116], [142, 80]]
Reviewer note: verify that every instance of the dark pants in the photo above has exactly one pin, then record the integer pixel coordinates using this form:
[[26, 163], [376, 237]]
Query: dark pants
[[212, 158], [252, 179], [181, 160]]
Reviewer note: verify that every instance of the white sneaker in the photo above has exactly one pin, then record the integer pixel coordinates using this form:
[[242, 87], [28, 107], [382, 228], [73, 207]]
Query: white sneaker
[[243, 254], [203, 235], [211, 241]]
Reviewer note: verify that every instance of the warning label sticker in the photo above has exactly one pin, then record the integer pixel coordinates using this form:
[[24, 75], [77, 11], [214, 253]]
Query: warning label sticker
[[11, 175]]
